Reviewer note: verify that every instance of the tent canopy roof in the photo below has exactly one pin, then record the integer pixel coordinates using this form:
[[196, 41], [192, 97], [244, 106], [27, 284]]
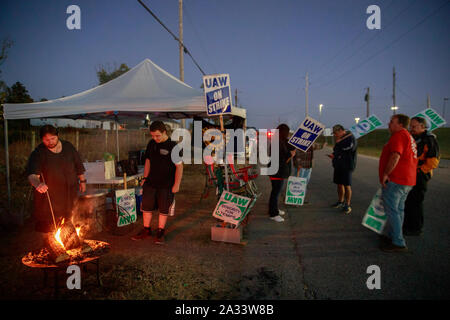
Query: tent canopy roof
[[145, 89]]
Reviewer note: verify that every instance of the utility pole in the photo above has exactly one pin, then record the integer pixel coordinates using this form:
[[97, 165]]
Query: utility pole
[[306, 95], [428, 101], [443, 108], [180, 36], [367, 98], [394, 107], [235, 98]]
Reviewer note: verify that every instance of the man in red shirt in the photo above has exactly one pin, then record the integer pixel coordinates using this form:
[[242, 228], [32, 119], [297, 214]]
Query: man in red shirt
[[397, 174]]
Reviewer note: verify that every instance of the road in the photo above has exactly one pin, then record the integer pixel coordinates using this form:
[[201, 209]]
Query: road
[[321, 253]]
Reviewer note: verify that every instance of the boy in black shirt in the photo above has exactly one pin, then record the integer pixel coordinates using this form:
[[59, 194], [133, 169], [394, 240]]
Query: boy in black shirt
[[162, 180]]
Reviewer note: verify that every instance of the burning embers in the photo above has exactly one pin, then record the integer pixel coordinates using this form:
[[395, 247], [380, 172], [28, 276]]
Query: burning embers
[[65, 245]]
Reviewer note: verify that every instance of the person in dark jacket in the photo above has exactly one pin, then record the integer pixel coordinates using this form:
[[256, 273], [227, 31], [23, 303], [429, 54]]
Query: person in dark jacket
[[344, 162], [428, 156], [286, 153]]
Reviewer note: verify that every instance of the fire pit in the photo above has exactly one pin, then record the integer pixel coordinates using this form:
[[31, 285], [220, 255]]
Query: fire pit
[[65, 247]]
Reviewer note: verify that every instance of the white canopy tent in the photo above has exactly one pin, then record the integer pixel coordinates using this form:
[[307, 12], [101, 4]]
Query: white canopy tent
[[145, 89]]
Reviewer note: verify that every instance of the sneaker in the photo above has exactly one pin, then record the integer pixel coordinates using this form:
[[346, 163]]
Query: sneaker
[[281, 212], [346, 208], [277, 218], [393, 248], [159, 236], [144, 233], [337, 205]]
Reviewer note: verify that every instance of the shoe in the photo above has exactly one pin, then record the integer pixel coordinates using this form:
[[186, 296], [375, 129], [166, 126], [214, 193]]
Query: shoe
[[306, 202], [281, 212], [144, 233], [159, 236], [337, 205], [393, 248], [346, 208], [277, 218], [412, 233]]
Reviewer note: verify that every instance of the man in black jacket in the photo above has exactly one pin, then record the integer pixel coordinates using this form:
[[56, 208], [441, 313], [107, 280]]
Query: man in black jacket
[[428, 155], [344, 162]]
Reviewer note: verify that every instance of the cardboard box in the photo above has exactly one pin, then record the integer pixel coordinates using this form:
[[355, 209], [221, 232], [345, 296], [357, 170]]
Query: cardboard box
[[231, 235], [100, 170]]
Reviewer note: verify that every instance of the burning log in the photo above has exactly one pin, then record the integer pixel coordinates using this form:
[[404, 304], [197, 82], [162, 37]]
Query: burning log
[[64, 239], [69, 236], [56, 249]]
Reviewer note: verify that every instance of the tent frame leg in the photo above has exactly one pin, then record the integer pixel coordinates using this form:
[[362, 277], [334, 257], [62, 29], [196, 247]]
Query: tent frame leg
[[7, 163]]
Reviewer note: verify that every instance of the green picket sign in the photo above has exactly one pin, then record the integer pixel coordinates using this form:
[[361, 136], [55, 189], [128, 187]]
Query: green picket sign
[[434, 119], [295, 191]]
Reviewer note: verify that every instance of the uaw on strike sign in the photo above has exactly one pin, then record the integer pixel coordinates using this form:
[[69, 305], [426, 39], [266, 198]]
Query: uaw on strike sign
[[217, 94], [306, 134]]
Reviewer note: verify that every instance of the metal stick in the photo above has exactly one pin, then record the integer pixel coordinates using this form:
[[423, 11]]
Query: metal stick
[[50, 204]]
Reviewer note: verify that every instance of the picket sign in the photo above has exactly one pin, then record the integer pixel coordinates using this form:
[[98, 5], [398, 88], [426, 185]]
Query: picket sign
[[375, 217], [126, 207], [434, 119], [217, 89], [308, 131], [365, 126], [232, 208], [295, 191]]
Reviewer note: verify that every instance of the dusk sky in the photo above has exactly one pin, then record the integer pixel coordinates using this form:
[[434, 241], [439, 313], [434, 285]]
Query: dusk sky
[[266, 46]]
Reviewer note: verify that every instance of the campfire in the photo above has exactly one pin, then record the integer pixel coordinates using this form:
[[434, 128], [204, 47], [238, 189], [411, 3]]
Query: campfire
[[66, 245]]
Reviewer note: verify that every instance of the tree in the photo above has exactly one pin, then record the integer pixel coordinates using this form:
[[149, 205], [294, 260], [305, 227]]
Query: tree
[[18, 94], [105, 75], [6, 44]]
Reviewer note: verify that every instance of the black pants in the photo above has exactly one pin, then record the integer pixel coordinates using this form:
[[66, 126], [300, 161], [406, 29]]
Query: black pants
[[277, 186], [413, 220]]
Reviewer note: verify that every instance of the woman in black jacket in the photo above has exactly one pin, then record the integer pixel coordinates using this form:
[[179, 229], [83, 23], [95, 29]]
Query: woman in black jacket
[[286, 152]]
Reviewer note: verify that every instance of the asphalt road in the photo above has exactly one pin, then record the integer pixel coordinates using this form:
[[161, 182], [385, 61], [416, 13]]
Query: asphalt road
[[321, 253]]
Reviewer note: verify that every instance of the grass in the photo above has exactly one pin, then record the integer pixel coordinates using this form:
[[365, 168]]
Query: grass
[[372, 143]]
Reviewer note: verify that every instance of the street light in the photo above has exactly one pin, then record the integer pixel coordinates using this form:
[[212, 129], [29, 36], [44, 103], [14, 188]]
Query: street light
[[320, 111], [357, 120], [394, 108]]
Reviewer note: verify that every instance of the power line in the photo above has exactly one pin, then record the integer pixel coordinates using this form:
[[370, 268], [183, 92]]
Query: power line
[[185, 49], [197, 34], [388, 46]]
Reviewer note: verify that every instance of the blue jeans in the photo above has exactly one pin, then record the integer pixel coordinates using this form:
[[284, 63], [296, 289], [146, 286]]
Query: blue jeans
[[305, 173], [394, 197]]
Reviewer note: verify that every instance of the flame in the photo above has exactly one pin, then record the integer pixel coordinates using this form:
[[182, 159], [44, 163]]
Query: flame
[[78, 231], [58, 237]]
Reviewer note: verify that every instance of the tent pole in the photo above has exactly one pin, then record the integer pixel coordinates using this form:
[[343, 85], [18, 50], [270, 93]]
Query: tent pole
[[117, 141], [7, 162]]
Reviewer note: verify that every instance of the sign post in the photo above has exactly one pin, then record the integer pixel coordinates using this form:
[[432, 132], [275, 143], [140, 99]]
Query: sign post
[[217, 88]]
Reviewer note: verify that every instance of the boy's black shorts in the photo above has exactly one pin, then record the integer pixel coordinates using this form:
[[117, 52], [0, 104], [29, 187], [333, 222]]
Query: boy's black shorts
[[342, 176], [157, 198]]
